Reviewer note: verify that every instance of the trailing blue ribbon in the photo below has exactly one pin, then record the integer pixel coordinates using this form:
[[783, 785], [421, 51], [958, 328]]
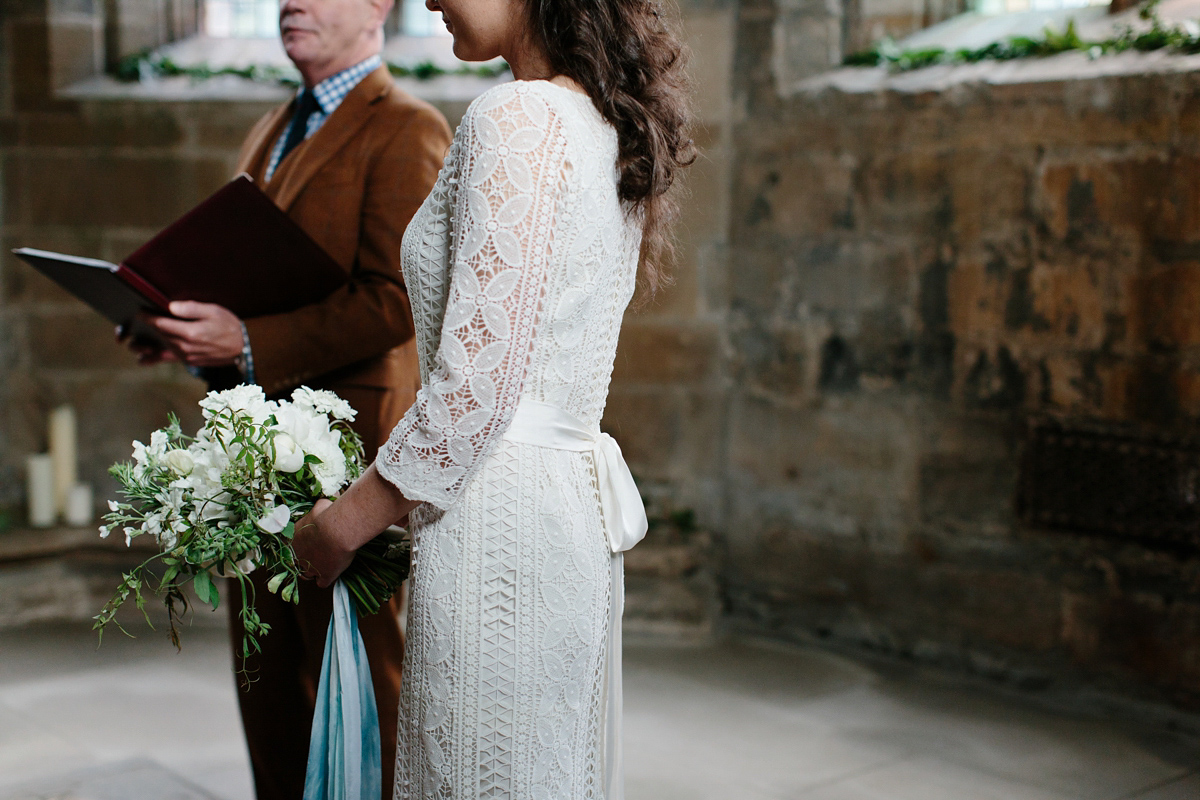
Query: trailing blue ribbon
[[344, 760]]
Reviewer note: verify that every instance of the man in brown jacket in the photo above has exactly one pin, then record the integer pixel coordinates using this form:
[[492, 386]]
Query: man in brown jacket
[[350, 159]]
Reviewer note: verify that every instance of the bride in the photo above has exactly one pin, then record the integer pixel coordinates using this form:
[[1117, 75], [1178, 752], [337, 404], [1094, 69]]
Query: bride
[[548, 211]]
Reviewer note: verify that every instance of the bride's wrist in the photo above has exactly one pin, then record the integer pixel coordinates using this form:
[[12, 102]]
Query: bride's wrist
[[338, 530]]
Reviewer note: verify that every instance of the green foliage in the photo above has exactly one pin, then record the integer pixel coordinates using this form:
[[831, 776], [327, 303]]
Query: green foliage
[[147, 65], [1182, 39]]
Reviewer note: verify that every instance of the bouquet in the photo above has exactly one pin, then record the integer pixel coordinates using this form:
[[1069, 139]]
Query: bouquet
[[225, 502]]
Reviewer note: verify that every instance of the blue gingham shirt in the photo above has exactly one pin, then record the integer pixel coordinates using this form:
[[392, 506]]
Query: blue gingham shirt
[[329, 94]]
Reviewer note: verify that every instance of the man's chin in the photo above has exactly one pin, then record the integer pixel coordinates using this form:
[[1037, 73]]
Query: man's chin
[[297, 50]]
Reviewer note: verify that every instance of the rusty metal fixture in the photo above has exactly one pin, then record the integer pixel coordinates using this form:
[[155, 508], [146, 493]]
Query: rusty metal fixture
[[1113, 479]]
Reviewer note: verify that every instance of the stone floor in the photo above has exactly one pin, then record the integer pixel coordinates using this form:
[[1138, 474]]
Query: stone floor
[[738, 721]]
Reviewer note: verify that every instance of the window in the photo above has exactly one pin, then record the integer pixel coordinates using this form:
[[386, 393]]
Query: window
[[241, 18], [248, 19], [993, 7], [417, 20]]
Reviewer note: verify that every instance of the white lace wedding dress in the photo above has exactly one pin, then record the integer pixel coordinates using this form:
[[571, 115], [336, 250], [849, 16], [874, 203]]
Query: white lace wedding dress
[[520, 265]]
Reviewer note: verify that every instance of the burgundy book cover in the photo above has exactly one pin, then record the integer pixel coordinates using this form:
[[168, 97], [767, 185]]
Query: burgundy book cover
[[239, 250]]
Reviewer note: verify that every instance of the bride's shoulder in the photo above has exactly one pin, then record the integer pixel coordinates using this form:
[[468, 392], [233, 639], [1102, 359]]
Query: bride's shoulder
[[537, 103]]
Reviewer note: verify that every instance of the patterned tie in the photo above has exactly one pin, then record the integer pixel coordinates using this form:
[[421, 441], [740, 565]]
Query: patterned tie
[[306, 106]]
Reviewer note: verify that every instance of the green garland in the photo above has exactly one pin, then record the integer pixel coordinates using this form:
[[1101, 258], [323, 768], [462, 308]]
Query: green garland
[[147, 64], [1176, 39]]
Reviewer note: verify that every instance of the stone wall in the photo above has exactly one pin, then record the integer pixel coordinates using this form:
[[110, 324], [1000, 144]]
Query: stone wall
[[912, 274]]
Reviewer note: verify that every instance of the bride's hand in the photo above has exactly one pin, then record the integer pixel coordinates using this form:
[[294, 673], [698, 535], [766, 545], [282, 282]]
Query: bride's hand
[[317, 551]]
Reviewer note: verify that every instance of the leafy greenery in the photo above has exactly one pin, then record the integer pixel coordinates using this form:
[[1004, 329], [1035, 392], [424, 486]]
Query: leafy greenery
[[1183, 39], [147, 64]]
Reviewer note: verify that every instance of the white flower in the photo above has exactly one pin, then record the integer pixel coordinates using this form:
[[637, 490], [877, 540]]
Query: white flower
[[104, 531], [248, 563], [276, 519], [145, 457], [247, 401], [288, 455], [112, 505], [324, 402], [215, 508], [179, 461]]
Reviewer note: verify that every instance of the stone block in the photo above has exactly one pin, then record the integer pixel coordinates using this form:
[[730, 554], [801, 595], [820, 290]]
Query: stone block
[[103, 125], [21, 283], [969, 494], [76, 49], [646, 423], [782, 360], [710, 35], [665, 353], [219, 126], [699, 453], [806, 41], [669, 435], [661, 561], [1166, 300], [75, 338], [845, 469], [78, 189], [117, 243], [792, 190], [136, 25], [1138, 636]]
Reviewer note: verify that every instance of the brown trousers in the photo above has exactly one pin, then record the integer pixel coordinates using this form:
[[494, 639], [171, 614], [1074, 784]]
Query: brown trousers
[[277, 705]]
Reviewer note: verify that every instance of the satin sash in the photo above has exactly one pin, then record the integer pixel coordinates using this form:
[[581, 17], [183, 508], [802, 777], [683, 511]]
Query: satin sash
[[625, 525], [344, 758]]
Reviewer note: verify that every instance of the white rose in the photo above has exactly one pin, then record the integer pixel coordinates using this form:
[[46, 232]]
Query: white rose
[[288, 455], [276, 519], [179, 461]]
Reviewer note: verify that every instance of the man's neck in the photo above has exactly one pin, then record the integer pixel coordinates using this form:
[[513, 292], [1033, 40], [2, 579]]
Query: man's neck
[[312, 74]]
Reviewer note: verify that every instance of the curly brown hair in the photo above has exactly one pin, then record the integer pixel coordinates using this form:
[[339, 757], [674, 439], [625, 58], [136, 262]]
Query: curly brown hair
[[631, 62]]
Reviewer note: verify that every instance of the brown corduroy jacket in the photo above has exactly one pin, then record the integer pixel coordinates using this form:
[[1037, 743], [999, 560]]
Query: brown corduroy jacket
[[354, 185]]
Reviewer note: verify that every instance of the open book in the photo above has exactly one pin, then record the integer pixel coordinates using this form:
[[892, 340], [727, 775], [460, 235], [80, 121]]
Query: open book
[[237, 249]]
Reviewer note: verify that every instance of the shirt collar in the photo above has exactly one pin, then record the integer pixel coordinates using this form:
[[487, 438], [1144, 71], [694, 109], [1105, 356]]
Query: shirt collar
[[330, 92]]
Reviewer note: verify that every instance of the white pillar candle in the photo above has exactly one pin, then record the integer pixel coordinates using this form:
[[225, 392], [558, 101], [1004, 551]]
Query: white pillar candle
[[63, 450], [80, 505], [40, 490]]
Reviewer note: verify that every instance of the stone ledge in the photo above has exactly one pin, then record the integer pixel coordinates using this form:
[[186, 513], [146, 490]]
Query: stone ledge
[[229, 88], [30, 544], [1064, 67]]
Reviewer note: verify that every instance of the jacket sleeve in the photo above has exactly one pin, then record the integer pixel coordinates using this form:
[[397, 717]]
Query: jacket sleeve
[[370, 314], [511, 168]]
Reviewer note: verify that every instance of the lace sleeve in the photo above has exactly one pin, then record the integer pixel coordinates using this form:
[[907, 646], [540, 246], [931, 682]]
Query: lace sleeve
[[512, 162]]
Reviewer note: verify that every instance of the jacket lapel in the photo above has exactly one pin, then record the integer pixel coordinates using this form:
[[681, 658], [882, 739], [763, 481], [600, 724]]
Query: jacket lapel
[[295, 171]]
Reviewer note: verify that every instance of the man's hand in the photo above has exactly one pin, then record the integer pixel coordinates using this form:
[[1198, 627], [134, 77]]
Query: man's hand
[[205, 335], [148, 352]]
